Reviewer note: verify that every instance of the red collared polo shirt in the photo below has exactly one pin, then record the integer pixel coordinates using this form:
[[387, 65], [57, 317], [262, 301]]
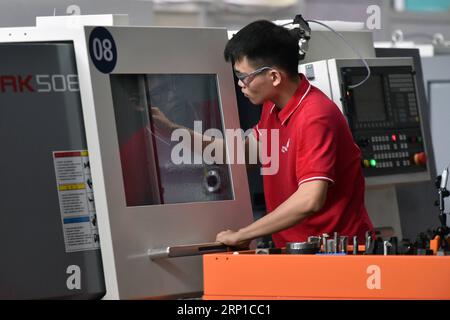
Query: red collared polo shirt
[[315, 143]]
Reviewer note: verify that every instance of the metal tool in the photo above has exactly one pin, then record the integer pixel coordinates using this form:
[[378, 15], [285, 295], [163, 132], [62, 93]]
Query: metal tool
[[343, 244], [336, 242], [314, 239], [386, 246], [369, 244], [330, 246], [355, 245], [325, 242], [302, 247]]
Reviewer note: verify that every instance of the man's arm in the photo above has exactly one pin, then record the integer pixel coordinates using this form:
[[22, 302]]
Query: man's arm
[[307, 200], [251, 144]]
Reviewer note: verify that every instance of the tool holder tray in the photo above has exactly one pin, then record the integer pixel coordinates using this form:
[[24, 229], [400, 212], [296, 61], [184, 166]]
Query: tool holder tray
[[246, 275]]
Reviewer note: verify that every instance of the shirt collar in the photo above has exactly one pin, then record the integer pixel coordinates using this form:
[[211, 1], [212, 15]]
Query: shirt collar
[[295, 102]]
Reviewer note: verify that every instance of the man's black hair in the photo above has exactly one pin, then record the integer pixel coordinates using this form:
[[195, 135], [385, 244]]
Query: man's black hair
[[265, 44]]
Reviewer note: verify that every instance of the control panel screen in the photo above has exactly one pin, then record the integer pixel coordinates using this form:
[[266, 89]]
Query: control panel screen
[[369, 100]]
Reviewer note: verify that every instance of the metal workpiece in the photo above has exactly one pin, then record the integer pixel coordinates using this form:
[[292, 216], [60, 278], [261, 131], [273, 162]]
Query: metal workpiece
[[355, 245], [369, 245], [330, 246], [325, 243], [386, 246], [315, 239], [336, 242], [343, 244], [302, 247], [368, 242], [186, 250]]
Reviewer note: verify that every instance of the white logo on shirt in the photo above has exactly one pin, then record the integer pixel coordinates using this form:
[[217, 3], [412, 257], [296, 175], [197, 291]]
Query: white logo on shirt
[[286, 147]]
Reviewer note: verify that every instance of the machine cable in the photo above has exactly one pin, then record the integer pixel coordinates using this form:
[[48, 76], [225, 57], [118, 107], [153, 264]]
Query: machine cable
[[303, 33]]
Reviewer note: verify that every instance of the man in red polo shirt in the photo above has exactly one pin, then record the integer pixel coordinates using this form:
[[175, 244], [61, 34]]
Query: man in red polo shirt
[[318, 186]]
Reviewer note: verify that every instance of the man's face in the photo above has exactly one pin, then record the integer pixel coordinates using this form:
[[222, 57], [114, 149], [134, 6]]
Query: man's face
[[257, 86]]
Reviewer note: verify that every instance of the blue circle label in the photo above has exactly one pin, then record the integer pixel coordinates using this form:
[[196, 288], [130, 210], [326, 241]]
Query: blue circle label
[[102, 50]]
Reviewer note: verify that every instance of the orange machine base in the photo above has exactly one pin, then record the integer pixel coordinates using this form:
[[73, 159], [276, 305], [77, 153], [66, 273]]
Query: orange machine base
[[285, 276]]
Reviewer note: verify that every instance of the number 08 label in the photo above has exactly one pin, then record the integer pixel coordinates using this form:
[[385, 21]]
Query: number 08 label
[[102, 50]]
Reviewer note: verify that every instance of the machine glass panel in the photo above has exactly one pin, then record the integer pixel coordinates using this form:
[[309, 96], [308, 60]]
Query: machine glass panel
[[385, 120], [159, 165]]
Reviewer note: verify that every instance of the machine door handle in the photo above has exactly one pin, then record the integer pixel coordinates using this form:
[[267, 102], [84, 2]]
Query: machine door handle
[[187, 250]]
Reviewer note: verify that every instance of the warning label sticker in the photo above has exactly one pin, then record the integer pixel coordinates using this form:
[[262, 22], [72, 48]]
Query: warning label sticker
[[76, 200]]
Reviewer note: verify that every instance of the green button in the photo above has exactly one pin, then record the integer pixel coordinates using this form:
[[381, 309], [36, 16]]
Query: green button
[[373, 163]]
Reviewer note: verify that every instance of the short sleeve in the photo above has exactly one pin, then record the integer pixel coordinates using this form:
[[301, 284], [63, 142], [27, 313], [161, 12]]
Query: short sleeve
[[316, 149]]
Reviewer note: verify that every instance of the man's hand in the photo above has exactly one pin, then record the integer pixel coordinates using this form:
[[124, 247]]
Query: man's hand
[[232, 239], [161, 122], [306, 201]]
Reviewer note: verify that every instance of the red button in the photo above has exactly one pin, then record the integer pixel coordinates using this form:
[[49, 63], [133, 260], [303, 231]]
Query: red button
[[420, 159]]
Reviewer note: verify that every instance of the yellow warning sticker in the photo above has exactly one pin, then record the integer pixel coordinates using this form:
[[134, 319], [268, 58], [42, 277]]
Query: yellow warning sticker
[[76, 200], [78, 186]]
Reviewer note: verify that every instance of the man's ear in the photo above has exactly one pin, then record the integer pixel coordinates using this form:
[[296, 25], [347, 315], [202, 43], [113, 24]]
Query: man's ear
[[275, 76]]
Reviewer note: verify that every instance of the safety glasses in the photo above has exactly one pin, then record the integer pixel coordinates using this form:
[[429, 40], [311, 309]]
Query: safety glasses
[[246, 78]]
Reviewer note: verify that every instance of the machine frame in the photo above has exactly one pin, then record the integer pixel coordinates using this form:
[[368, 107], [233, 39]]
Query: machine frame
[[127, 233], [132, 231]]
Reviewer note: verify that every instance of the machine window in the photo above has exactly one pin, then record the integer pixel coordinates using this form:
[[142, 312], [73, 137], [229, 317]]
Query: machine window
[[160, 167]]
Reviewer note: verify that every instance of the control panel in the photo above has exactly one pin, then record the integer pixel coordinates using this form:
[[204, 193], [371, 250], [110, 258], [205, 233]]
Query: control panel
[[384, 117]]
